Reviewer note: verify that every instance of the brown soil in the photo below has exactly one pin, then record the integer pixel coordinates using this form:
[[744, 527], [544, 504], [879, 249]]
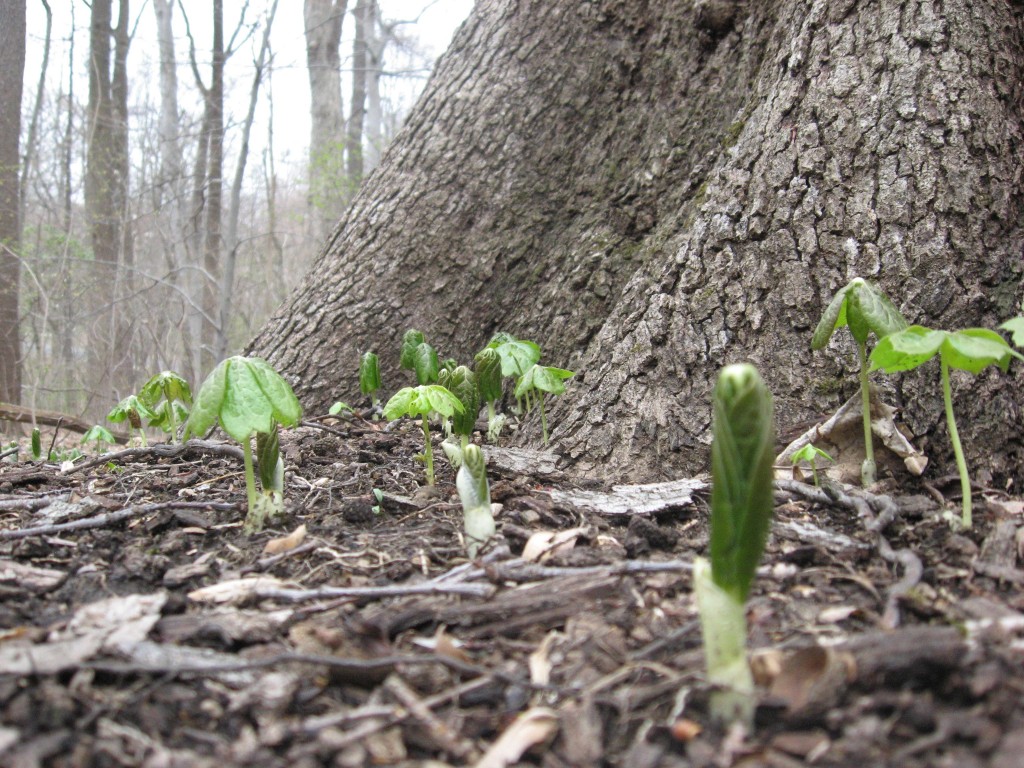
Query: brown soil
[[375, 641]]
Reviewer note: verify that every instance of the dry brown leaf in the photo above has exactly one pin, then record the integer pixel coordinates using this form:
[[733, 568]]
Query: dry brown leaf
[[812, 679], [545, 544], [540, 661], [534, 726], [286, 543]]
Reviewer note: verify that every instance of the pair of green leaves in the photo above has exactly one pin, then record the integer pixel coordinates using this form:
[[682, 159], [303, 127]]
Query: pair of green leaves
[[420, 357], [862, 307]]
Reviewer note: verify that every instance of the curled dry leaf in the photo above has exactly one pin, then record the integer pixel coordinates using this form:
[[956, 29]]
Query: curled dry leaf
[[286, 543], [543, 545], [540, 660], [535, 726], [810, 680]]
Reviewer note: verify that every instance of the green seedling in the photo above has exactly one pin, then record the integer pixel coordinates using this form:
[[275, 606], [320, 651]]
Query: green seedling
[[340, 407], [169, 397], [866, 310], [971, 350], [249, 398], [369, 377], [133, 410], [488, 382], [378, 494], [1015, 325], [811, 453], [742, 453], [37, 444], [538, 380], [516, 355], [421, 358], [423, 401], [461, 382], [98, 435], [475, 494]]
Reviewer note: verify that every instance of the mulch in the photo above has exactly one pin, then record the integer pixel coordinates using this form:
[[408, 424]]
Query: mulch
[[139, 625]]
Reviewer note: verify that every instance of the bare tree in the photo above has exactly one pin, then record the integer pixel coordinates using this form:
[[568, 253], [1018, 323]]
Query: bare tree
[[12, 71], [323, 19], [357, 104]]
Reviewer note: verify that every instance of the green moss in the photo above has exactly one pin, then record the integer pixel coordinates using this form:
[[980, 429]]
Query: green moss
[[827, 386], [732, 134]]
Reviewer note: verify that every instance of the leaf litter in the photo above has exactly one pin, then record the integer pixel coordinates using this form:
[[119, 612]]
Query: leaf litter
[[140, 626]]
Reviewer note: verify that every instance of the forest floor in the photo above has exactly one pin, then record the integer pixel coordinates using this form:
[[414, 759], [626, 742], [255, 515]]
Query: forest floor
[[139, 625]]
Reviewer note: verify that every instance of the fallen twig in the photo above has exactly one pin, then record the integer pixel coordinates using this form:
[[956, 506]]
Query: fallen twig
[[110, 518], [162, 451]]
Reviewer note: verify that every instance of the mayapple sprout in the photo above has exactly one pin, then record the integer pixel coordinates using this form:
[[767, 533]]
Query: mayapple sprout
[[248, 397], [488, 382], [418, 356], [538, 380], [865, 309], [742, 453], [99, 436], [169, 397], [811, 453], [971, 350], [423, 401], [475, 494], [369, 377], [133, 410]]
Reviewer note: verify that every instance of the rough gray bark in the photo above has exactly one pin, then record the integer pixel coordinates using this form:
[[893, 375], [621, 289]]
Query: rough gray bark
[[652, 191], [12, 70]]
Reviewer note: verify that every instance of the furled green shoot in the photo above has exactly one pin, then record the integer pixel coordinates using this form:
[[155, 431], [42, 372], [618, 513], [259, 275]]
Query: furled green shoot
[[369, 376], [410, 341], [811, 453], [169, 397], [37, 444], [741, 509], [248, 397], [538, 380], [488, 382], [98, 435], [475, 494], [462, 384], [866, 310], [971, 350], [423, 401], [133, 410]]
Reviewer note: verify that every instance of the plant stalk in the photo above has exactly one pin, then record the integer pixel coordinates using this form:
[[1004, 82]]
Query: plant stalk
[[543, 421], [250, 476], [428, 453], [867, 470], [954, 437]]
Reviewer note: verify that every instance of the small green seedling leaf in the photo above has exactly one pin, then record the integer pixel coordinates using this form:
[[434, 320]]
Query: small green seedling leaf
[[865, 309], [369, 374], [165, 385], [97, 434], [423, 401], [338, 407], [131, 409], [425, 364], [971, 350], [517, 356], [410, 341], [1015, 325], [542, 379], [811, 453]]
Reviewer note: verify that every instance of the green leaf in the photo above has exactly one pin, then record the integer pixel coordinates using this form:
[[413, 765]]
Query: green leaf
[[462, 384], [517, 356], [864, 308], [907, 349], [247, 396], [166, 384], [833, 317], [338, 407], [161, 415], [97, 434], [810, 453], [543, 378], [741, 465], [971, 349], [488, 374], [268, 453], [421, 401], [369, 373], [132, 409], [426, 364], [410, 341], [1015, 325]]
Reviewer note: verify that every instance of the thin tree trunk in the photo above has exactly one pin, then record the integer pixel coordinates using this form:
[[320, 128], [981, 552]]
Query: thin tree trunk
[[12, 72], [357, 104], [376, 41], [32, 139], [231, 241], [323, 19], [652, 191]]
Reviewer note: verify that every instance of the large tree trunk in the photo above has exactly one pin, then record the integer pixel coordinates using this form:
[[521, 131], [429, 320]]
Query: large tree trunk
[[653, 190], [12, 70]]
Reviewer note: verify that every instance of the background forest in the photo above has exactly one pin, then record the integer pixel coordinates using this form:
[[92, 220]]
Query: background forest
[[175, 181]]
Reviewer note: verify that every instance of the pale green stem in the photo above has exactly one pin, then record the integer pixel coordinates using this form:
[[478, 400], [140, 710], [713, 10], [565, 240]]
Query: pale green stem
[[954, 437], [867, 470], [173, 423], [428, 453], [250, 477]]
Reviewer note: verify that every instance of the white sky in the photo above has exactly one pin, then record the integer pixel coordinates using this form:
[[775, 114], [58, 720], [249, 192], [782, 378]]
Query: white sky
[[434, 23]]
